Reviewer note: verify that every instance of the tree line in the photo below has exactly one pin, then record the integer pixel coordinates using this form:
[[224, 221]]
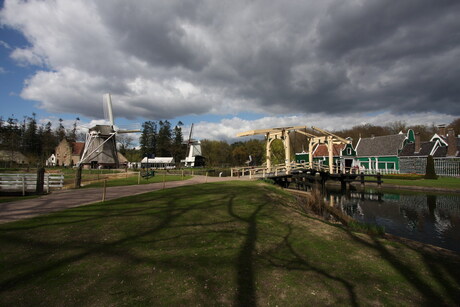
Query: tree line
[[37, 142], [162, 139]]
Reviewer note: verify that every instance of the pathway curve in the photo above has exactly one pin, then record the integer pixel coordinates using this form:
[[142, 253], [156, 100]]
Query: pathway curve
[[60, 200]]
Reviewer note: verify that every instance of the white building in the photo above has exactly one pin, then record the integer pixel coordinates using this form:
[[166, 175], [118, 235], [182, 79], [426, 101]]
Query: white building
[[158, 163]]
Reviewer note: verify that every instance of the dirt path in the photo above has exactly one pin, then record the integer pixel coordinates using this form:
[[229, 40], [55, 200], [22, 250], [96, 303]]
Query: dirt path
[[60, 200]]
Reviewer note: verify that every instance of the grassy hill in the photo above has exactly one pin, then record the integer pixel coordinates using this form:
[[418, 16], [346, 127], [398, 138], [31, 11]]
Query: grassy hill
[[234, 243]]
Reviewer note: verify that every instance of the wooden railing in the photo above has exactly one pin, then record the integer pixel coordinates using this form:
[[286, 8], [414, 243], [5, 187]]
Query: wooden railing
[[28, 182]]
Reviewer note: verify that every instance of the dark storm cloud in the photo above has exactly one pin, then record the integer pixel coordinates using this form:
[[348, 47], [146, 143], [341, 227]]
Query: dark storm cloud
[[165, 59]]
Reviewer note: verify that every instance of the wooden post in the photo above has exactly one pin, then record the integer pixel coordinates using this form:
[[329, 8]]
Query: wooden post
[[139, 178], [182, 174], [287, 151], [164, 180], [231, 172], [40, 181], [206, 180], [362, 180], [23, 185], [104, 188], [48, 185], [330, 149], [78, 177], [379, 180], [268, 153], [343, 183]]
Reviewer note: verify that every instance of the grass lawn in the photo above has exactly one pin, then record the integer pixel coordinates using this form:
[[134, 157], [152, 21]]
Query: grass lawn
[[441, 182], [233, 243], [133, 180]]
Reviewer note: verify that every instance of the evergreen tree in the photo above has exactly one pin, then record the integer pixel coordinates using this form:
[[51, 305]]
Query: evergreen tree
[[164, 139], [49, 141], [60, 131], [178, 146], [32, 144], [148, 139], [430, 171]]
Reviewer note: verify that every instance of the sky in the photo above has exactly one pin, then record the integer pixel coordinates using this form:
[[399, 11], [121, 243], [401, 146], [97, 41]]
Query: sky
[[231, 66]]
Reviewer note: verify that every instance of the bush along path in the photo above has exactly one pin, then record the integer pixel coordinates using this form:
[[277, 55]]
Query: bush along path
[[226, 243]]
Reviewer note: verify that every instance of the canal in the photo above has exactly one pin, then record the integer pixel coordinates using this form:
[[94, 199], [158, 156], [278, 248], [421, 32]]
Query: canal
[[427, 218]]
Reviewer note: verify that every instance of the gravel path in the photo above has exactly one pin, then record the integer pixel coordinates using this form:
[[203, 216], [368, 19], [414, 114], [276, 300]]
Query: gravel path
[[60, 200]]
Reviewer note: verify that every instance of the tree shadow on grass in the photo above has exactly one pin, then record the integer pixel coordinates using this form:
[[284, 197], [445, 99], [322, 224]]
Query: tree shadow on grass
[[295, 261], [246, 292], [95, 248], [439, 268]]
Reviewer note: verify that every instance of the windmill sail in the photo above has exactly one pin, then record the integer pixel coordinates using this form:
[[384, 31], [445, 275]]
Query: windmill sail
[[101, 146], [108, 113]]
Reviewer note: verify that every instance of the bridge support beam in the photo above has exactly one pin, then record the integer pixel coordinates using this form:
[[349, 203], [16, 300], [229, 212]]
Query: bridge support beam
[[330, 149]]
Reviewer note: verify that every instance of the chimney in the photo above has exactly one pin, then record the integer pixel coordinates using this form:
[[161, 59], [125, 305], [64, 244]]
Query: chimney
[[417, 142], [452, 143], [442, 130]]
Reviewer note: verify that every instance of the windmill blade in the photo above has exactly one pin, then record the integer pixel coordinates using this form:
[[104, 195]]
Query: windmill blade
[[128, 131], [190, 135], [108, 114]]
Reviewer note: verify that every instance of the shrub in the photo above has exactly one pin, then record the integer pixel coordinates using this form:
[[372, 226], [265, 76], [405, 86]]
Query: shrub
[[430, 172]]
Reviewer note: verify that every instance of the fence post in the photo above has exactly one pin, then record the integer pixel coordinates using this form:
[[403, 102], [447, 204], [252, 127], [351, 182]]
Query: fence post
[[104, 190], [164, 180], [139, 178], [48, 184], [206, 180], [40, 181], [362, 180], [78, 177], [379, 180], [23, 185]]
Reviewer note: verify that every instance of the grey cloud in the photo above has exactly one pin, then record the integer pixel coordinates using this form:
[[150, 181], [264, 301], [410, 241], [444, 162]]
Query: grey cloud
[[304, 57]]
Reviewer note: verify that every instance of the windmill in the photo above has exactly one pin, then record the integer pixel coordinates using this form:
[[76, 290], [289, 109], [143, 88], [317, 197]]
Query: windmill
[[100, 146], [194, 157]]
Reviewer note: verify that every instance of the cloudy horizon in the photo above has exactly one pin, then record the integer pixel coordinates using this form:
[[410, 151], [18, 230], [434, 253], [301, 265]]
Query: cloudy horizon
[[245, 64]]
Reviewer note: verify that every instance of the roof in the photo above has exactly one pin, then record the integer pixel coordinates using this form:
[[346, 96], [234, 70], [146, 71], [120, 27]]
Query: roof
[[77, 148], [121, 158], [425, 149], [387, 145], [441, 151], [322, 151], [158, 160], [12, 155]]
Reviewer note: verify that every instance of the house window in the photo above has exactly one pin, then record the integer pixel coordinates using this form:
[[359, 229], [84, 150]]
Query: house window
[[390, 165], [349, 151]]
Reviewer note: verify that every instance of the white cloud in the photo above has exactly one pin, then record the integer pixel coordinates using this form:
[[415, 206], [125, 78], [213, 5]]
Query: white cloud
[[167, 59], [227, 129]]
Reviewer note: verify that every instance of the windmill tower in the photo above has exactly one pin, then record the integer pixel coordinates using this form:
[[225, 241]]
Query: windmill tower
[[100, 146], [194, 157]]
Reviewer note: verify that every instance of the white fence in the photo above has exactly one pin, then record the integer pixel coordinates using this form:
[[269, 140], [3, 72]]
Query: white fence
[[28, 182], [445, 166]]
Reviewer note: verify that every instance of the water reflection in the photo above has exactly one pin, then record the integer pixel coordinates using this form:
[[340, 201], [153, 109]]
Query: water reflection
[[433, 219]]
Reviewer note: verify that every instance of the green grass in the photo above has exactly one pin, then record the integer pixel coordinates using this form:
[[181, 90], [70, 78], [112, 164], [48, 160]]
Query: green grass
[[441, 182], [134, 180], [235, 243]]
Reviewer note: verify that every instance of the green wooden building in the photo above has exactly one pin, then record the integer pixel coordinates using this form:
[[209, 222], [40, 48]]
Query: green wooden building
[[379, 154]]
